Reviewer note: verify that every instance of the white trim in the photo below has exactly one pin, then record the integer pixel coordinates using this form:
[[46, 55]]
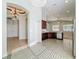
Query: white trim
[[33, 43]]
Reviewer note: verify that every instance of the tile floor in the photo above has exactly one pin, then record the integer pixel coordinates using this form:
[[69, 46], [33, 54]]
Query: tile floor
[[48, 49]]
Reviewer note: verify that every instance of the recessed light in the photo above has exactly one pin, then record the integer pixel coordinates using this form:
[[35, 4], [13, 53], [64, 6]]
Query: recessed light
[[66, 1], [67, 11]]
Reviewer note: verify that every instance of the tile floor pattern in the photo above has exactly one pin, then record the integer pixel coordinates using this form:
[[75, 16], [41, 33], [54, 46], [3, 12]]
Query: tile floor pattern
[[48, 49]]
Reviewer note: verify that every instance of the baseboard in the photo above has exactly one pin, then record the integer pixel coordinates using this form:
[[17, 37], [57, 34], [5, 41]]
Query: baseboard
[[33, 43], [11, 37], [22, 38]]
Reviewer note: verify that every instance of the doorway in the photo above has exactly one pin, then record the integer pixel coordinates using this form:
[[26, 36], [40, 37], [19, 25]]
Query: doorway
[[16, 28]]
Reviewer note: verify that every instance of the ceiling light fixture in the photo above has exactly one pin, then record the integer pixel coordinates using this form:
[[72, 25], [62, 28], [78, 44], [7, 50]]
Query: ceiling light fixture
[[66, 1], [15, 11], [38, 3]]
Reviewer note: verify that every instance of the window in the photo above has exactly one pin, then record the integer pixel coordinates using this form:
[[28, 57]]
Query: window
[[68, 27], [55, 27]]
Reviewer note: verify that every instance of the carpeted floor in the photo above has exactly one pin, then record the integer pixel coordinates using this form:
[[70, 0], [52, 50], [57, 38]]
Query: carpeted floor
[[48, 49]]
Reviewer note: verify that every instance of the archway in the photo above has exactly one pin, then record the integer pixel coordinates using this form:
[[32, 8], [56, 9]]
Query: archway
[[17, 27]]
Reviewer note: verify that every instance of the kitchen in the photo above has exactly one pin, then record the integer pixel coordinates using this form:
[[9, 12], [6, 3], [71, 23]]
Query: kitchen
[[57, 29]]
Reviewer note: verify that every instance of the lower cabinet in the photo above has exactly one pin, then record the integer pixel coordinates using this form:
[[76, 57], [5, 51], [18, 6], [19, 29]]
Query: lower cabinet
[[49, 35], [44, 36]]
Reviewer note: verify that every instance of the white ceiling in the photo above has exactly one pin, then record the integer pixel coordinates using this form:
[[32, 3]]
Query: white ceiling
[[59, 9]]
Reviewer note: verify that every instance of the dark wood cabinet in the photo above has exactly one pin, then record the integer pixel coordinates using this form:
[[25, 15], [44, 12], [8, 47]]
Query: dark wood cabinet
[[52, 35], [49, 35], [44, 25], [44, 36]]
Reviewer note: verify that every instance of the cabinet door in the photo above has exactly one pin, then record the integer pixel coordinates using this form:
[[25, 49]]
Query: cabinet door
[[49, 35], [54, 35], [44, 24], [44, 36]]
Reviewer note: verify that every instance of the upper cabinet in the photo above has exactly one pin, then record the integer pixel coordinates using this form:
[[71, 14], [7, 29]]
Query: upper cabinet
[[44, 25]]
